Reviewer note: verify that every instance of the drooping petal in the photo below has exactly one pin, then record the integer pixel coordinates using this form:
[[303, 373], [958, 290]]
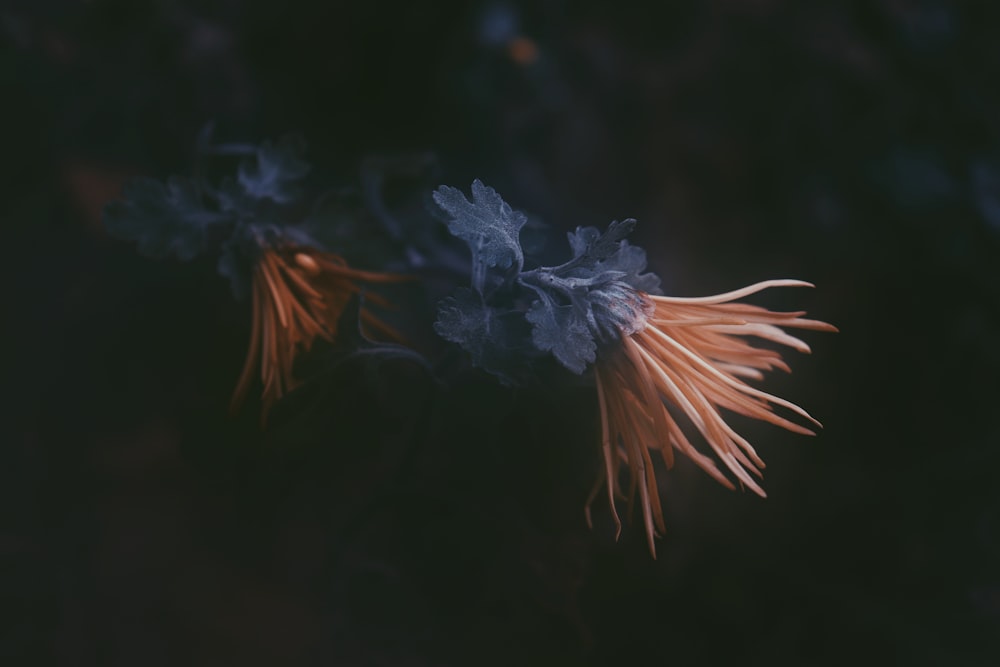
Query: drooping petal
[[692, 356], [299, 295]]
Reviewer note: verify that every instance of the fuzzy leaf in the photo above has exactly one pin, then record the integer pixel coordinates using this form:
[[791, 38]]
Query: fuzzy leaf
[[590, 245], [164, 219], [563, 332], [630, 260], [487, 223], [276, 172], [598, 253], [602, 283], [494, 338], [582, 238]]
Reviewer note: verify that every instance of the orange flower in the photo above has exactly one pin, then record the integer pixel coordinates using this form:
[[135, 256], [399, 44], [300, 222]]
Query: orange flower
[[299, 294], [691, 355]]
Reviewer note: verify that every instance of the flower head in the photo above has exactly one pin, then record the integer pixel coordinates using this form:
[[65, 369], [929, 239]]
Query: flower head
[[298, 295], [265, 249], [692, 355], [659, 362]]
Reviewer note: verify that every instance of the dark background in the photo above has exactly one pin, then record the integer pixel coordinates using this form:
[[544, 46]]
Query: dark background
[[397, 522]]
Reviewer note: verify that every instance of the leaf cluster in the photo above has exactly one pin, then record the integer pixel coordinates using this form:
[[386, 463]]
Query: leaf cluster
[[185, 217], [510, 315]]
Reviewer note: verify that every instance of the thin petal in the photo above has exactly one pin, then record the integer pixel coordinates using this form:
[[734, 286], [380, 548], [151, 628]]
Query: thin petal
[[731, 296]]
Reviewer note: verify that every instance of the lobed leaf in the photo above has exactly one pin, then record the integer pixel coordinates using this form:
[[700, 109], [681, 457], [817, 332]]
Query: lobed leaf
[[276, 172], [493, 337], [163, 219], [487, 223], [563, 332]]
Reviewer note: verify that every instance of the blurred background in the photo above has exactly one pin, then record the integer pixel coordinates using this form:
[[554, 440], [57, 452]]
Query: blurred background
[[394, 521]]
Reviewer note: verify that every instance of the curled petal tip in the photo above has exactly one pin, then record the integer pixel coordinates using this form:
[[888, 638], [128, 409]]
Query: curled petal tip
[[786, 282]]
